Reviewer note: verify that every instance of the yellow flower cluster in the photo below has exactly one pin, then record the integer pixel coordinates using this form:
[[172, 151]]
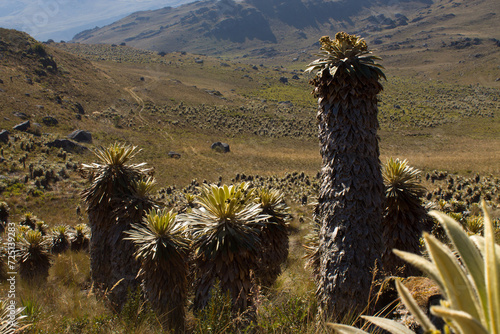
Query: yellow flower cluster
[[343, 41]]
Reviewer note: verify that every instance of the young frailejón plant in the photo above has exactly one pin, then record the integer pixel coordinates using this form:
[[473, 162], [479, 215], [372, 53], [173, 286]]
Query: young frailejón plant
[[405, 218], [41, 227], [34, 256], [273, 234], [111, 181], [60, 239], [350, 202], [80, 238], [470, 284], [226, 236], [135, 205], [162, 247], [29, 219]]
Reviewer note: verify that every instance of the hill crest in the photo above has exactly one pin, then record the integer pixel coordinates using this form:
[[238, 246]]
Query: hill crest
[[218, 26]]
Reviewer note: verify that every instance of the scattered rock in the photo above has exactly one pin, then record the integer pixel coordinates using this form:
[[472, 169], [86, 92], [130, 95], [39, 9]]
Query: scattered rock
[[214, 92], [284, 80], [81, 136], [268, 52], [198, 61], [465, 43], [295, 77], [21, 115], [22, 126], [50, 121], [78, 108], [4, 136], [220, 147], [286, 104], [174, 155], [67, 145], [425, 292]]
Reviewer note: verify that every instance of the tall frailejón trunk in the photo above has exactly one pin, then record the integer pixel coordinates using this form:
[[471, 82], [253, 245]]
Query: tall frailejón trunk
[[125, 266], [112, 262], [130, 211], [350, 202], [100, 264]]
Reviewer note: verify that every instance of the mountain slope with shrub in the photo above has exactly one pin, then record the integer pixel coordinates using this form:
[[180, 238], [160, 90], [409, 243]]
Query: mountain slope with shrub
[[414, 36]]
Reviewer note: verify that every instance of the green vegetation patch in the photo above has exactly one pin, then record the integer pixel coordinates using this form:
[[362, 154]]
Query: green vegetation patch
[[296, 94]]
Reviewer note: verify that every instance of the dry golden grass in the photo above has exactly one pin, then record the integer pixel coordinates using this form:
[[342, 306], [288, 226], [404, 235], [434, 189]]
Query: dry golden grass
[[461, 148]]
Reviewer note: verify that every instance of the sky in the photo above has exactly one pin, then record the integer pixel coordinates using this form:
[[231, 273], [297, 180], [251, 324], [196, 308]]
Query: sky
[[62, 19]]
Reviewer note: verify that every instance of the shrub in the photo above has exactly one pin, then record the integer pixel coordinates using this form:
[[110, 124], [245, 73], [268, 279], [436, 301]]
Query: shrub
[[136, 312], [34, 260], [38, 49], [216, 316], [4, 212]]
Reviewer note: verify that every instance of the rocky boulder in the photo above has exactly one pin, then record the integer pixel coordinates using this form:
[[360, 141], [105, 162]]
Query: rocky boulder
[[220, 147], [81, 136], [24, 126], [21, 115], [67, 145], [284, 80], [174, 155], [50, 121], [4, 136], [78, 108]]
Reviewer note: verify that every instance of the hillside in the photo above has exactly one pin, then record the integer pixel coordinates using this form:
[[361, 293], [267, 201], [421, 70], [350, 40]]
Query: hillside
[[429, 35], [183, 102]]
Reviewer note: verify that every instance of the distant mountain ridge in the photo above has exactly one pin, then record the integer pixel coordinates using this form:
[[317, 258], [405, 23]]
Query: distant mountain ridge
[[226, 22], [451, 38]]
